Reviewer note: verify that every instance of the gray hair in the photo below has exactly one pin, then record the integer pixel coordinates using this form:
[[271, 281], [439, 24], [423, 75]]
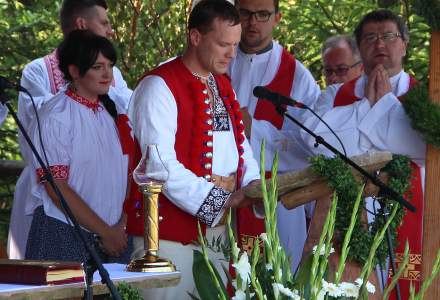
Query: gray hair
[[338, 40]]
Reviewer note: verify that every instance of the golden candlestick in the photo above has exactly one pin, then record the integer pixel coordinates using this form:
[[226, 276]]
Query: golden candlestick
[[151, 262]]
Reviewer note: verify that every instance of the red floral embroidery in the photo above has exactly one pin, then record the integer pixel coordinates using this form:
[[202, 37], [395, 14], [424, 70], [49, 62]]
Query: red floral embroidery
[[56, 77], [58, 172], [95, 106]]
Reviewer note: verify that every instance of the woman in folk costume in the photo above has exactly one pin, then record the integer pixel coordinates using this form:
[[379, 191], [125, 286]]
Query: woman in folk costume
[[85, 139]]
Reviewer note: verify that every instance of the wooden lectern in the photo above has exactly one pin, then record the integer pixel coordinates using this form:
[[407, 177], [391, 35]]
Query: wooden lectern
[[301, 187]]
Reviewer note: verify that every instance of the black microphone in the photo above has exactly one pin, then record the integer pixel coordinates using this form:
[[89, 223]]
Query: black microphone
[[6, 84], [275, 98]]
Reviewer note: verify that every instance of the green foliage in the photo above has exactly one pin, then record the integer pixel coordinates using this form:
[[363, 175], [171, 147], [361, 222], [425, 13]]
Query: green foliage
[[424, 114], [204, 284], [147, 33], [430, 11], [340, 178], [128, 292]]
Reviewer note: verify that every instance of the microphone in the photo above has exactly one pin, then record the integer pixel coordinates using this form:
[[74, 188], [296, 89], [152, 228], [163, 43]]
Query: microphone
[[5, 84], [275, 98]]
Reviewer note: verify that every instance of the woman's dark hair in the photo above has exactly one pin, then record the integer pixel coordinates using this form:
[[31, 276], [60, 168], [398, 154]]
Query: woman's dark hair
[[81, 48]]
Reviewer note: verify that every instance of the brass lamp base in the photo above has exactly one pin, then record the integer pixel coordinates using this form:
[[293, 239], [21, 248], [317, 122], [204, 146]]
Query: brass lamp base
[[151, 263]]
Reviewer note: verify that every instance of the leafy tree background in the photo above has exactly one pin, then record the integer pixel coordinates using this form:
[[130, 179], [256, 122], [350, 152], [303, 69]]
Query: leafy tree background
[[150, 31]]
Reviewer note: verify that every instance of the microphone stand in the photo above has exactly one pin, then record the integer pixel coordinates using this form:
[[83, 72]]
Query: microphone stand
[[384, 189], [105, 278]]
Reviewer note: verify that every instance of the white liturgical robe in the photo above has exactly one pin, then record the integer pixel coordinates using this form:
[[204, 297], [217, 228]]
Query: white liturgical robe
[[248, 71]]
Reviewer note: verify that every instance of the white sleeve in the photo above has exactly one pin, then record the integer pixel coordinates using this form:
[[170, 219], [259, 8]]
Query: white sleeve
[[388, 127], [362, 128], [120, 93], [251, 170], [153, 112], [35, 80], [56, 139], [305, 89]]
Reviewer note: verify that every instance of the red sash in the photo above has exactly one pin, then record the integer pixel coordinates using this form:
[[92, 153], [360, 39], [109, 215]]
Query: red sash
[[248, 226], [411, 228]]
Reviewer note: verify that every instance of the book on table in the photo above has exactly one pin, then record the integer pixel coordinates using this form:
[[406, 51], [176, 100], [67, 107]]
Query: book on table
[[38, 272]]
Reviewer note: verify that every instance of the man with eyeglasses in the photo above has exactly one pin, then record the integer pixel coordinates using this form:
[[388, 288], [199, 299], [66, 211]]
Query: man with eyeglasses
[[367, 115], [261, 61], [341, 59]]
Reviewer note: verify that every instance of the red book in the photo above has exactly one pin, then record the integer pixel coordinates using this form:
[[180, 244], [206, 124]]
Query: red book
[[40, 272]]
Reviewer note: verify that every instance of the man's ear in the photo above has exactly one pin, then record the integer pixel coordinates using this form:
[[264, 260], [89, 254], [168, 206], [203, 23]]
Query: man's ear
[[194, 37], [73, 71], [277, 17], [80, 23]]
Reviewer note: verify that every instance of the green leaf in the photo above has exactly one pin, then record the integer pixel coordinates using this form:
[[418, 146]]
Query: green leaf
[[302, 276], [204, 282]]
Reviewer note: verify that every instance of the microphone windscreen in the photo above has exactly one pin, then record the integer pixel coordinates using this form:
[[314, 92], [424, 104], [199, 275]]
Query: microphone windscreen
[[260, 92]]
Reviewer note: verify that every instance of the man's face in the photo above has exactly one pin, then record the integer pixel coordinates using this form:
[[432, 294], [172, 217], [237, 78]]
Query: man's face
[[258, 19], [340, 65], [97, 22], [216, 48], [387, 50]]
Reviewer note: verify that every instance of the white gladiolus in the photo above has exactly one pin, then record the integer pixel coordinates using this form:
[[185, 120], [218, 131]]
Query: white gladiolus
[[269, 267], [322, 250], [369, 286], [280, 289], [331, 289], [243, 268], [239, 295], [349, 289], [263, 237]]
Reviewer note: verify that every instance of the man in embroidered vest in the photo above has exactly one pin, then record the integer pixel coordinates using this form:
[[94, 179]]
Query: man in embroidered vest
[[43, 79], [261, 61], [341, 59], [188, 108], [367, 115]]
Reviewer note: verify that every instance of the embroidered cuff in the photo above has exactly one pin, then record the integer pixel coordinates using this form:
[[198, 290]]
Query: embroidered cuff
[[212, 205], [58, 172]]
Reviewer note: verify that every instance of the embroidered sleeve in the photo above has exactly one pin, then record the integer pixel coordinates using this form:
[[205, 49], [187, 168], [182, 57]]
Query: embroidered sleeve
[[212, 205], [58, 172]]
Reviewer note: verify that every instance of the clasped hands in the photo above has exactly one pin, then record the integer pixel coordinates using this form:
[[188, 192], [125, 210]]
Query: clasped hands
[[378, 84]]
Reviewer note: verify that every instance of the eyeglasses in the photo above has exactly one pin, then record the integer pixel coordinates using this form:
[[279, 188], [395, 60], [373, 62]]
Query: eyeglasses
[[260, 16], [339, 71], [387, 37]]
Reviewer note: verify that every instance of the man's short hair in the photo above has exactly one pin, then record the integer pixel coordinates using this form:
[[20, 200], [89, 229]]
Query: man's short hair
[[381, 15], [336, 41], [72, 9], [276, 4], [204, 13]]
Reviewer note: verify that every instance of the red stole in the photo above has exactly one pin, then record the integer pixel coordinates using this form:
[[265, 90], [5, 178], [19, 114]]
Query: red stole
[[411, 228], [282, 84], [192, 144], [248, 226]]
